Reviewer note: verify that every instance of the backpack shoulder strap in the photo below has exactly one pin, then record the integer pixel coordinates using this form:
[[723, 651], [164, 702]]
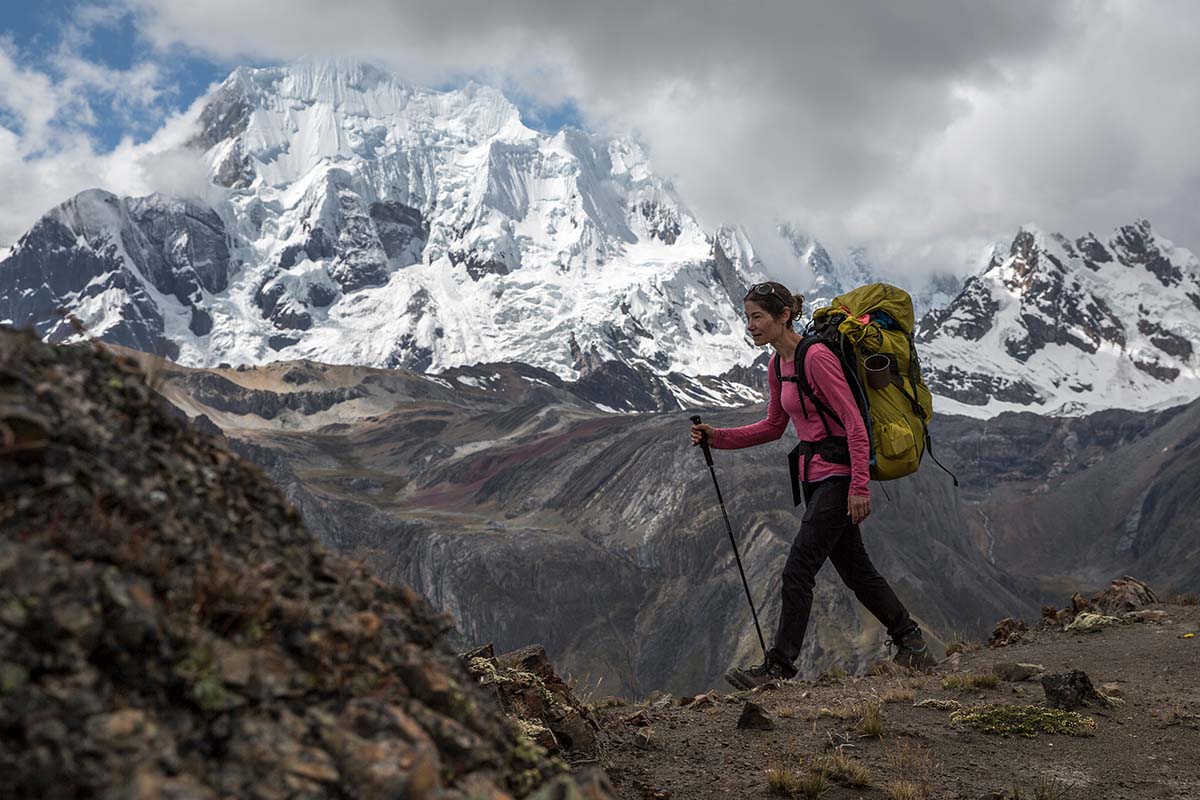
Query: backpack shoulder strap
[[805, 387]]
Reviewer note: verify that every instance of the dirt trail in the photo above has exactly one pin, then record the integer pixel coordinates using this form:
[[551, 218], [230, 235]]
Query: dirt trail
[[1146, 748]]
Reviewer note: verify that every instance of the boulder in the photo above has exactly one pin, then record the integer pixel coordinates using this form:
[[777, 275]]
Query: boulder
[[1122, 595], [1008, 631], [754, 718], [1072, 690]]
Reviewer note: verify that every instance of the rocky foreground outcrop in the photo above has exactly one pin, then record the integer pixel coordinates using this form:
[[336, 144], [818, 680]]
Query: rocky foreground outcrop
[[169, 629]]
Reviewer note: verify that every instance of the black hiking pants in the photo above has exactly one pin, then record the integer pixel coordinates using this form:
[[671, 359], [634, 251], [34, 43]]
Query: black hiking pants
[[826, 532]]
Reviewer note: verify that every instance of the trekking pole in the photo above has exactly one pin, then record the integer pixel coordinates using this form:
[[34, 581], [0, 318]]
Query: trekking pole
[[729, 529]]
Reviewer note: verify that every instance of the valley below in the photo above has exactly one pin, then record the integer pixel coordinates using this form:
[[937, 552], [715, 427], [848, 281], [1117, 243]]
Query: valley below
[[518, 507]]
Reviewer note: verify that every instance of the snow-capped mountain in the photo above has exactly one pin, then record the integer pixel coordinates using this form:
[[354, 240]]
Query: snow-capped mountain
[[351, 218], [1068, 327], [362, 220]]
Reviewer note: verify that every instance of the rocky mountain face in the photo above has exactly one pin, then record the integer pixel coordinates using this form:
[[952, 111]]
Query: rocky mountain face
[[497, 493], [168, 628], [356, 219], [133, 271], [1066, 327]]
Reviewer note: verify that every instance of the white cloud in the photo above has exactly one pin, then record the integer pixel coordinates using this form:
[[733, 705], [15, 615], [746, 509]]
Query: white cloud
[[921, 129], [48, 113]]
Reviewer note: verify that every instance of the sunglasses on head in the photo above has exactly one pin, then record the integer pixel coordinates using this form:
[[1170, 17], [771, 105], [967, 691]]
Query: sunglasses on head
[[762, 289]]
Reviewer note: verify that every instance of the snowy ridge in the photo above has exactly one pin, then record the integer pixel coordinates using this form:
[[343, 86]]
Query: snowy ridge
[[367, 221], [356, 219], [1069, 327], [451, 234]]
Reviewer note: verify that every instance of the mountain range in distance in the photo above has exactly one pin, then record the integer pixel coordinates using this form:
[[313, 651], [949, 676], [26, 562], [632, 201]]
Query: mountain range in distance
[[351, 218]]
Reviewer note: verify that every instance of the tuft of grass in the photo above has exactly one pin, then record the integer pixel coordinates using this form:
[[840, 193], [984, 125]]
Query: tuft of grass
[[871, 723], [585, 689], [787, 712], [916, 683], [833, 675], [1024, 721], [841, 711], [909, 759], [898, 694], [1046, 789], [970, 680], [840, 768], [959, 643], [813, 785], [887, 669], [1188, 599], [782, 779], [904, 790]]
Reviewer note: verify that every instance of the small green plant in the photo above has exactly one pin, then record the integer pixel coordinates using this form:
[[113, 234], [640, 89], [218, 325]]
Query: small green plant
[[871, 723], [970, 680], [200, 669], [1024, 721], [840, 768]]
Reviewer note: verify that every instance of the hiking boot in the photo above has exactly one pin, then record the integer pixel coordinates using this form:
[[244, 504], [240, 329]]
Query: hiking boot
[[912, 652], [769, 670]]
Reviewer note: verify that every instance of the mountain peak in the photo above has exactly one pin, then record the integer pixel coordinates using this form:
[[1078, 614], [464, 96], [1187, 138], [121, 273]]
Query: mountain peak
[[1066, 326]]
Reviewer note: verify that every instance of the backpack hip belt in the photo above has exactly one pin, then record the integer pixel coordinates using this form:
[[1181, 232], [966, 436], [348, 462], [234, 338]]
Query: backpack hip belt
[[833, 449]]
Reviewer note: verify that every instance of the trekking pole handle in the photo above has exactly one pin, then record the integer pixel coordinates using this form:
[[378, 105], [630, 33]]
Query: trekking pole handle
[[703, 441]]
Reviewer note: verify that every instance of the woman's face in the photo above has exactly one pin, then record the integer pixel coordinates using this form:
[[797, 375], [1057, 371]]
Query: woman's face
[[761, 325]]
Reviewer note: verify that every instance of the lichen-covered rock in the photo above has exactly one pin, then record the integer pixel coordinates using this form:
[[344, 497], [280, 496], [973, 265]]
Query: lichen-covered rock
[[169, 629], [531, 691], [1087, 622]]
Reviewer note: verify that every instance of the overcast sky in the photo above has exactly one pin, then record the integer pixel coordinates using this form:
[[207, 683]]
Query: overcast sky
[[921, 129]]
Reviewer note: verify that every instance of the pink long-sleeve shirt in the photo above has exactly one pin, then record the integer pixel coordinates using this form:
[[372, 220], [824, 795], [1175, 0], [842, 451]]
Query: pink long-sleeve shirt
[[829, 384]]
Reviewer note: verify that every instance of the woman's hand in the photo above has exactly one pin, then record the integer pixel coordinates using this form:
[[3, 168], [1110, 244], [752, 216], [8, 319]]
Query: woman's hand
[[700, 431], [858, 507]]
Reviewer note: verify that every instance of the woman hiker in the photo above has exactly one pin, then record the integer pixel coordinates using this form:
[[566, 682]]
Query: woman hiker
[[836, 496]]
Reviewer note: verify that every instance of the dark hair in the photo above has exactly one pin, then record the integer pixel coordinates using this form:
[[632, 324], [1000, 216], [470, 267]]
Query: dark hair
[[775, 298]]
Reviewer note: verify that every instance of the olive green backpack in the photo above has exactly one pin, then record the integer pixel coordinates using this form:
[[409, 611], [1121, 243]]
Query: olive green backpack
[[876, 319]]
